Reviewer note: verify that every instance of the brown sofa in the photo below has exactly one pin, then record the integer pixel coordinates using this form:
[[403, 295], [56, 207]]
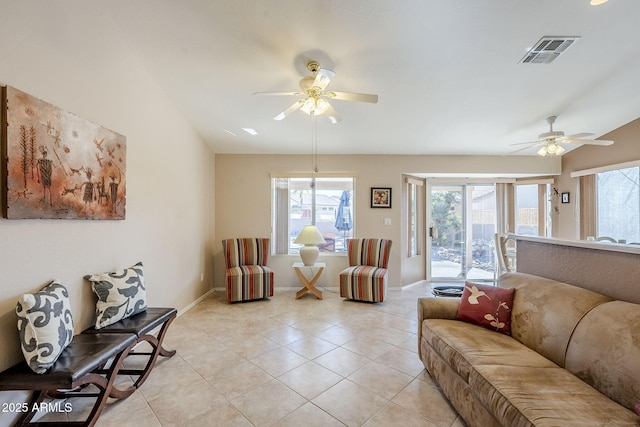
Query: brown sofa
[[573, 358]]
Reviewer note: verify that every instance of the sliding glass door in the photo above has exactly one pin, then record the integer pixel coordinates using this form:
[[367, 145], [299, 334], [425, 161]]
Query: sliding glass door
[[461, 233]]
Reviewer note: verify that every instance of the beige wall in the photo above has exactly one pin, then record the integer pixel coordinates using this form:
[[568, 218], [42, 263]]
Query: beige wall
[[170, 205], [243, 200], [626, 148]]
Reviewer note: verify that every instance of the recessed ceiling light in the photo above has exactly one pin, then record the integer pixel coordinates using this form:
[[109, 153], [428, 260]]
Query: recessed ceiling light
[[230, 133], [598, 2], [250, 131]]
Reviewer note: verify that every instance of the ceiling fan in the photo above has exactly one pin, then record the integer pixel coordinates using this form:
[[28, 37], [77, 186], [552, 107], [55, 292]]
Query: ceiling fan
[[314, 99], [550, 141]]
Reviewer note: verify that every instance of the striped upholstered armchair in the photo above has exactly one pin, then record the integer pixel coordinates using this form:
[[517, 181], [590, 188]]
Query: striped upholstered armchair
[[366, 277], [248, 277]]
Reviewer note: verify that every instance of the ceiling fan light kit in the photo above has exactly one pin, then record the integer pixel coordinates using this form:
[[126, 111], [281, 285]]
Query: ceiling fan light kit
[[551, 149], [314, 106]]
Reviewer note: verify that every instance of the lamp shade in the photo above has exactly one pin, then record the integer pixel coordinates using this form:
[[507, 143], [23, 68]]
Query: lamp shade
[[551, 149], [542, 151], [309, 237]]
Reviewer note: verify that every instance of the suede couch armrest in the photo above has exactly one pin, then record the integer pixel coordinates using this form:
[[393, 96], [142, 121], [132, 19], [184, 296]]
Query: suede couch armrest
[[435, 308]]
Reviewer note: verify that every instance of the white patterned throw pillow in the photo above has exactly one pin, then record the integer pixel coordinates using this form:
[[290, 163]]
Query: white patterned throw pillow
[[45, 325], [120, 294]]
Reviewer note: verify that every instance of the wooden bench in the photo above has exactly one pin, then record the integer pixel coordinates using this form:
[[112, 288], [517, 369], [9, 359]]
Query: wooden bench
[[142, 325], [89, 359]]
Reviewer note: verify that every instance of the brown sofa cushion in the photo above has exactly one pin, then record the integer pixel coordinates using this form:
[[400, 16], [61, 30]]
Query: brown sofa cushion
[[464, 345], [526, 396], [546, 312], [605, 351], [486, 306]]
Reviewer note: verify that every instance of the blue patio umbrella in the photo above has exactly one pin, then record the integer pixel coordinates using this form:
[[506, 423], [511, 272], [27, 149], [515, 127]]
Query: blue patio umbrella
[[343, 218]]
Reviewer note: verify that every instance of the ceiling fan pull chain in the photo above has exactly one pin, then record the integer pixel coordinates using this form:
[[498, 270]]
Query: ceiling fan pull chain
[[314, 126], [314, 143]]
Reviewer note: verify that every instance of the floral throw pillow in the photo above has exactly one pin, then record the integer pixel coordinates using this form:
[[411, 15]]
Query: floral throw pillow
[[487, 306], [45, 325], [120, 294]]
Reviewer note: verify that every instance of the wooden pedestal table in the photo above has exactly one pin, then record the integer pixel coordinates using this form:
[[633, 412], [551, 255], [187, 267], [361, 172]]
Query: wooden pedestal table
[[309, 284]]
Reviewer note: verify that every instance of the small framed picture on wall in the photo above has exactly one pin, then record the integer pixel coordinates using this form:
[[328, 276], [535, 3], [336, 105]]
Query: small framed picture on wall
[[380, 197], [564, 198]]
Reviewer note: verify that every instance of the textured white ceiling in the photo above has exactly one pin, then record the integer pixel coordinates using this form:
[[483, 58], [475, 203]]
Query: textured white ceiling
[[446, 71]]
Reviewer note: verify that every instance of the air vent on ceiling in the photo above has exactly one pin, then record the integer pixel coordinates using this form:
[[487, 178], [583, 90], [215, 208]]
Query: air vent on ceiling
[[547, 49]]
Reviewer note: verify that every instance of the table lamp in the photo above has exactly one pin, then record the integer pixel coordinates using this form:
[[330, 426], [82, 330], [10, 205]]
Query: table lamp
[[309, 237]]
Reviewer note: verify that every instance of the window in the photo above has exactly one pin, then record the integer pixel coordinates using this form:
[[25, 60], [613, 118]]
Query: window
[[412, 194], [532, 207], [414, 214], [527, 209], [326, 202], [618, 204]]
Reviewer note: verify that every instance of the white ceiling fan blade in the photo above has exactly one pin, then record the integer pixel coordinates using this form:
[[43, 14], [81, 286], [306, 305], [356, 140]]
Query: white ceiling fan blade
[[332, 115], [277, 93], [323, 78], [577, 136], [351, 96], [589, 141], [521, 149], [532, 143], [293, 107]]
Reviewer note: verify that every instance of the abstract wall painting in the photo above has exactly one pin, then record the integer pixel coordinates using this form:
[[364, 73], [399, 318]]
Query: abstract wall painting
[[57, 165], [380, 197]]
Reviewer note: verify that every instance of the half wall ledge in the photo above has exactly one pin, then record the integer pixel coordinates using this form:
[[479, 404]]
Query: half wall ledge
[[611, 269]]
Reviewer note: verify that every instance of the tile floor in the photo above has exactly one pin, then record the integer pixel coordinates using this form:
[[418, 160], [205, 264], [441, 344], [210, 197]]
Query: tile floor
[[288, 362]]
